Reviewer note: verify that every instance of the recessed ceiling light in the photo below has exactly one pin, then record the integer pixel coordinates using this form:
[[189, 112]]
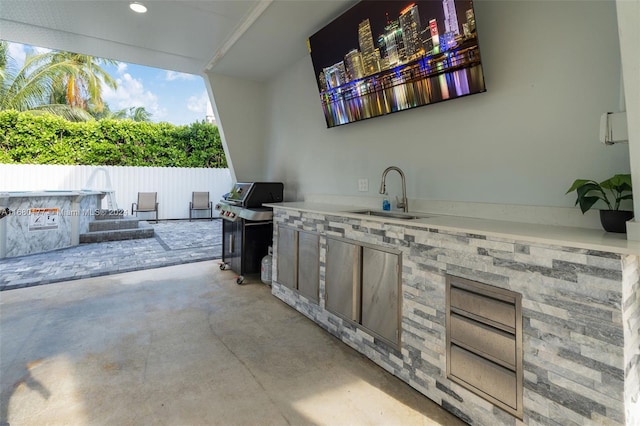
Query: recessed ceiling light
[[138, 7]]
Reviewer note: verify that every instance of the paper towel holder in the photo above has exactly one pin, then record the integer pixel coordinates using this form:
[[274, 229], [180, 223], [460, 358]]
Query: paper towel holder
[[613, 128]]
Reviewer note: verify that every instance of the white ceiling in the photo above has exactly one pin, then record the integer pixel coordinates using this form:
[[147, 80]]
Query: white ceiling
[[252, 39]]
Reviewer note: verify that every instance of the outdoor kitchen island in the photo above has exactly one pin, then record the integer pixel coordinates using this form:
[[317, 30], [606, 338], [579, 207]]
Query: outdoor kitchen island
[[39, 221], [571, 299]]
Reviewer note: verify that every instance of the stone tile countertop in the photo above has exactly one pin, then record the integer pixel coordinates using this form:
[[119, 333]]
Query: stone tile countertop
[[47, 193], [583, 238]]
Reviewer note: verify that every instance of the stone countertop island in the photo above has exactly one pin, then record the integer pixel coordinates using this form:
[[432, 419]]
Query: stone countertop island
[[580, 308], [594, 239], [40, 221]]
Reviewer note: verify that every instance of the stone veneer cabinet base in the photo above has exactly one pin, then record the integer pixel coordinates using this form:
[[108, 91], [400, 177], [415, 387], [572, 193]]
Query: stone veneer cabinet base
[[580, 314]]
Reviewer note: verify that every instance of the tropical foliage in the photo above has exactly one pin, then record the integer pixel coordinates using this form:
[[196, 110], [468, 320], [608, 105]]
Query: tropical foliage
[[133, 113], [52, 112], [45, 139], [29, 87], [83, 88], [61, 83]]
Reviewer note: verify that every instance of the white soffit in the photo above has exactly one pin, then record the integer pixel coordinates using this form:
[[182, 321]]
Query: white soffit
[[253, 39], [177, 35]]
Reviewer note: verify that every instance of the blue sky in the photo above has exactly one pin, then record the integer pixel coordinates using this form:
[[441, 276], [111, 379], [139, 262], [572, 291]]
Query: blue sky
[[169, 96]]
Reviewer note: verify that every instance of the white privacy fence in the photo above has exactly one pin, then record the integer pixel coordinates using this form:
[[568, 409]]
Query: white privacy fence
[[174, 185]]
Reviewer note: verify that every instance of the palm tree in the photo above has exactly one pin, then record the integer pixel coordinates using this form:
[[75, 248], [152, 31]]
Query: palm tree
[[4, 46], [139, 114], [132, 113], [107, 114], [83, 89], [29, 88]]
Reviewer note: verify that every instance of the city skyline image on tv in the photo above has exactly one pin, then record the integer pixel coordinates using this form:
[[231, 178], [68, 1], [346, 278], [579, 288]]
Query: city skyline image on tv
[[381, 57]]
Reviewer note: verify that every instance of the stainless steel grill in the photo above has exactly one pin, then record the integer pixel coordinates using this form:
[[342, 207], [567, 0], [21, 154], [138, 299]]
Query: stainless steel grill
[[247, 228]]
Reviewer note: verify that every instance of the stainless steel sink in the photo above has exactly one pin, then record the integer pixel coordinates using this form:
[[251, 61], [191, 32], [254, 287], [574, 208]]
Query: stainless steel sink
[[383, 213]]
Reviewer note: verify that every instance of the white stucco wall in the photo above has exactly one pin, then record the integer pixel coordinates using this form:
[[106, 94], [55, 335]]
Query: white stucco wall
[[551, 70], [629, 31], [240, 110]]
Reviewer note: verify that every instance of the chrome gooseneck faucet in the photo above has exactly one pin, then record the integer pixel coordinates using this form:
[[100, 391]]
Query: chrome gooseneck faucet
[[404, 204]]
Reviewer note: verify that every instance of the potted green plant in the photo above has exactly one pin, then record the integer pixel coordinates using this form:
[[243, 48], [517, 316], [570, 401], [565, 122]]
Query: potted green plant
[[612, 192]]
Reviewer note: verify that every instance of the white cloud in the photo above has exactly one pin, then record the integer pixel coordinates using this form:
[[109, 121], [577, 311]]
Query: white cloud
[[200, 104], [173, 75], [18, 52], [122, 67], [40, 50], [131, 93]]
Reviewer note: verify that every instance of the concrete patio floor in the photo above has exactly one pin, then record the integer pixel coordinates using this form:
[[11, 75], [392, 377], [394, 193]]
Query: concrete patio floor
[[185, 345]]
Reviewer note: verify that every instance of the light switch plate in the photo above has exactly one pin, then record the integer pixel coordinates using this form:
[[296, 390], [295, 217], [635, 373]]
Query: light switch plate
[[363, 185]]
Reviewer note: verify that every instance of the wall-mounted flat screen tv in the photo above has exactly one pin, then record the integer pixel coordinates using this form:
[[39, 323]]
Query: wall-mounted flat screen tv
[[381, 57]]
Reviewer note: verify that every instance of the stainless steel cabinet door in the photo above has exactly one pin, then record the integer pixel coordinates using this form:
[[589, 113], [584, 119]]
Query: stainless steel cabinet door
[[287, 257], [232, 241], [308, 264], [380, 282], [342, 279]]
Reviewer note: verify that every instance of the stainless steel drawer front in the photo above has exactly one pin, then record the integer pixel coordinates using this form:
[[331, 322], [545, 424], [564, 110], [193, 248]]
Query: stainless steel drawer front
[[484, 342], [485, 307], [484, 375], [493, 344]]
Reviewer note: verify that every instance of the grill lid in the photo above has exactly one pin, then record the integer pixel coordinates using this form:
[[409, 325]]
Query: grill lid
[[254, 194]]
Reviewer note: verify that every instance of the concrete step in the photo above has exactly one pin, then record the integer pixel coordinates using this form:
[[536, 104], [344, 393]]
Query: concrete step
[[144, 230], [112, 224]]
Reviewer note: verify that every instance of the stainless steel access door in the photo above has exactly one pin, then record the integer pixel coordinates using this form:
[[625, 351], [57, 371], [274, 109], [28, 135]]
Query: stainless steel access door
[[287, 257], [308, 264], [342, 279], [380, 279]]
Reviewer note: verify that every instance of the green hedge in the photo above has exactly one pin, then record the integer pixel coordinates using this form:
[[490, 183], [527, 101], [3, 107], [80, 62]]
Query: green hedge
[[47, 139]]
